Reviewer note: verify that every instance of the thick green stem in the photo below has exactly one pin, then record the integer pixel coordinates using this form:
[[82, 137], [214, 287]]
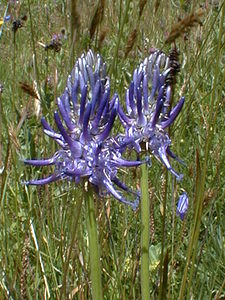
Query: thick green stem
[[145, 232], [94, 251]]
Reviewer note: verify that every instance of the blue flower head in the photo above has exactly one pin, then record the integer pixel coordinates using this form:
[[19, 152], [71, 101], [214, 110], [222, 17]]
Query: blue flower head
[[84, 120], [148, 113], [182, 205]]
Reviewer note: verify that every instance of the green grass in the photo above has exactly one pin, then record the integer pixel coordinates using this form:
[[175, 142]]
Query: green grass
[[41, 235]]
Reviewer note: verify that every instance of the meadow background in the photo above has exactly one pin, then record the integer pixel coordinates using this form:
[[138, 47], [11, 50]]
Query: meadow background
[[37, 223]]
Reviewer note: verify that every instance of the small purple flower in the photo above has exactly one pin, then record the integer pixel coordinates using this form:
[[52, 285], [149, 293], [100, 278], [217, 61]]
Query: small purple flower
[[182, 205], [7, 18], [148, 110], [84, 122]]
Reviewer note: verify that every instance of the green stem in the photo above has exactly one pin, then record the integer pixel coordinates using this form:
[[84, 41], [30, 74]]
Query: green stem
[[163, 234], [115, 56], [34, 50], [145, 233], [77, 210], [95, 272]]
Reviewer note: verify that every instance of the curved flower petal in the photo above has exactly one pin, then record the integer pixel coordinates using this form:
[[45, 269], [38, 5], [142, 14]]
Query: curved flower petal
[[174, 113], [164, 159], [65, 115], [43, 181], [118, 196], [75, 146], [40, 162]]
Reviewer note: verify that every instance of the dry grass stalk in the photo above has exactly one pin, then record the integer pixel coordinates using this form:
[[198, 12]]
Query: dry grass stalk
[[25, 264], [28, 89], [163, 184], [33, 92], [97, 18], [102, 36], [13, 137], [75, 23], [156, 5], [131, 40], [13, 132], [141, 6], [75, 17], [208, 196], [1, 134], [182, 26]]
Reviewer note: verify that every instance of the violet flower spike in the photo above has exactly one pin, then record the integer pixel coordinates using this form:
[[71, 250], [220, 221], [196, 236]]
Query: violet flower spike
[[148, 110], [85, 122]]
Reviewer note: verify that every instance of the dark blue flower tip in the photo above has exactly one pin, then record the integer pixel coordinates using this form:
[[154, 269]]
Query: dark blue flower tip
[[46, 125], [123, 118], [102, 111], [142, 120], [82, 63], [104, 135], [114, 101], [43, 181], [91, 77], [74, 94], [65, 115], [165, 161], [110, 188], [41, 162], [48, 130], [139, 76], [81, 80], [178, 176], [7, 18], [130, 98], [75, 146], [145, 94], [95, 96], [168, 94], [182, 205], [173, 114], [135, 204], [128, 106], [120, 162], [77, 172], [56, 136], [85, 136], [90, 58], [156, 114], [83, 103], [162, 77], [129, 142], [155, 82], [173, 155], [66, 101]]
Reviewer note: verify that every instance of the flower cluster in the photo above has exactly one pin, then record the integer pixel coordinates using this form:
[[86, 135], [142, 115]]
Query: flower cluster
[[148, 110], [86, 115], [84, 122]]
